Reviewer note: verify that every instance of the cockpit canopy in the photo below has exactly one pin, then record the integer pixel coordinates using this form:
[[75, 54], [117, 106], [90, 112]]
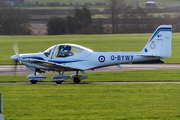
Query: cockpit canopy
[[65, 50]]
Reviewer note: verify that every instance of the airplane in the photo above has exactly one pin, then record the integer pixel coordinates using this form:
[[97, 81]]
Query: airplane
[[72, 57]]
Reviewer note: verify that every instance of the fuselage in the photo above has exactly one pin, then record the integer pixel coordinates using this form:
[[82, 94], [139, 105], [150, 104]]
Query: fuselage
[[86, 59]]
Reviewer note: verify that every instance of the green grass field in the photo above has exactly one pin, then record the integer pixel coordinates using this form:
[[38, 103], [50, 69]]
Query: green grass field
[[91, 102], [95, 102], [86, 101], [160, 2], [101, 8], [34, 44]]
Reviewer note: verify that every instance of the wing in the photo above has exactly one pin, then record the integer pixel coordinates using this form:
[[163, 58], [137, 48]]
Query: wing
[[51, 65]]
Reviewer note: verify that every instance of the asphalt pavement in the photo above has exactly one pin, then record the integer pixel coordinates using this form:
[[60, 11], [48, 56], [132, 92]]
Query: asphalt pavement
[[9, 70]]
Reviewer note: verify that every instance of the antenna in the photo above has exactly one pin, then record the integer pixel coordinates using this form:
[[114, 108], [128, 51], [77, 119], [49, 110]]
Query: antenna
[[1, 108], [1, 104], [120, 48]]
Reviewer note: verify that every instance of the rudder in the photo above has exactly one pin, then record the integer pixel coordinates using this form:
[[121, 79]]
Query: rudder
[[159, 45]]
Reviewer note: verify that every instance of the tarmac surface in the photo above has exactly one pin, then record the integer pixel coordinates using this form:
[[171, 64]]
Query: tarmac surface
[[9, 70]]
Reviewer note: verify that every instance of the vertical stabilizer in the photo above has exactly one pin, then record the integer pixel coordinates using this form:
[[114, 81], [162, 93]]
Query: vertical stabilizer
[[160, 42]]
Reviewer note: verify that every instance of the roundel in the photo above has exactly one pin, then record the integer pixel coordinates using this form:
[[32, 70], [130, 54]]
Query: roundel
[[101, 58], [153, 45]]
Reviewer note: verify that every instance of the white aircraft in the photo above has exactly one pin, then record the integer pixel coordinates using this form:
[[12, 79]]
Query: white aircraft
[[71, 57]]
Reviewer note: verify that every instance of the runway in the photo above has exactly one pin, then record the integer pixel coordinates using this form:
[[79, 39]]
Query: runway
[[8, 70]]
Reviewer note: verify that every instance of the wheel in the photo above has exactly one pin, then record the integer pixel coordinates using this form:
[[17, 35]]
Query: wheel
[[58, 82], [76, 80], [33, 81]]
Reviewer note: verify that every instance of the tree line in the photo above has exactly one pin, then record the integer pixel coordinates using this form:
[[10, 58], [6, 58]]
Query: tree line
[[80, 23], [14, 22], [122, 19], [132, 20], [126, 19]]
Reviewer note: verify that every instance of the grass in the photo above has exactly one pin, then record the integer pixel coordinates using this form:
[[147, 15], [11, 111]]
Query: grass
[[101, 8], [159, 2], [34, 44], [86, 101], [91, 102]]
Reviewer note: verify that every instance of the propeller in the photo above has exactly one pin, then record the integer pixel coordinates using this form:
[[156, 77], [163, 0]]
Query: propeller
[[15, 48], [15, 57]]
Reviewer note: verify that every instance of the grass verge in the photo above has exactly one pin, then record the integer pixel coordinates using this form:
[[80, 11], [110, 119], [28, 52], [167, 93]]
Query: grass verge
[[99, 102]]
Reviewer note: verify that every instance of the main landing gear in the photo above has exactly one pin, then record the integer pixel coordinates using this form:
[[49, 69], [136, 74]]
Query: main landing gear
[[34, 78], [34, 81], [59, 82], [58, 78], [76, 78]]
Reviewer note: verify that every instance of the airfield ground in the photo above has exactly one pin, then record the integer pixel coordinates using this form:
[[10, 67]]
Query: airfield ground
[[90, 101], [86, 101]]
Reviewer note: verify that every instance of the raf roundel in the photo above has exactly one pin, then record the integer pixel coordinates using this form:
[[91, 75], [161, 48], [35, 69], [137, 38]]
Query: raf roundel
[[153, 45], [101, 59]]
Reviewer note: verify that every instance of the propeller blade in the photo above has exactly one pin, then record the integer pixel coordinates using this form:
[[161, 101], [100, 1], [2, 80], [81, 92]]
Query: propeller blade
[[15, 48], [15, 57]]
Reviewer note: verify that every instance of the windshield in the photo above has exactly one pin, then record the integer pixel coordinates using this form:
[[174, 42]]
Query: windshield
[[48, 51]]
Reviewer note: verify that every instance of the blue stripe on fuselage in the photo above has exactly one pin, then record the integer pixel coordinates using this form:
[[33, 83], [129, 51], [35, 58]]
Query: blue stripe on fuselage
[[60, 62], [39, 58]]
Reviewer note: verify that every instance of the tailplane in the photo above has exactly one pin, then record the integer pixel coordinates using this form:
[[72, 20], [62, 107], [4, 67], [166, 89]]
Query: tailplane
[[159, 45]]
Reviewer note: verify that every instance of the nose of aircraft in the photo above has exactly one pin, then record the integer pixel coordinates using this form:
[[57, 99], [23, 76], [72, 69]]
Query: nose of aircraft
[[14, 57]]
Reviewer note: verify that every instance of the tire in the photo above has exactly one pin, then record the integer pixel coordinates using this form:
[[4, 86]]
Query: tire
[[76, 80], [58, 82], [33, 81]]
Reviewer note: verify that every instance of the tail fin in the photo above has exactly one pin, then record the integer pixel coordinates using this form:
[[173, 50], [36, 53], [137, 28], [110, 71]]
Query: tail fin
[[159, 45]]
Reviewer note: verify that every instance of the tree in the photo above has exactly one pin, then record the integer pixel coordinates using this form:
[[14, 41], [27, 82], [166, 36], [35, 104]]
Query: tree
[[81, 23], [78, 15], [86, 17], [135, 21], [14, 21], [116, 7], [56, 26], [83, 17], [98, 27], [71, 24]]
